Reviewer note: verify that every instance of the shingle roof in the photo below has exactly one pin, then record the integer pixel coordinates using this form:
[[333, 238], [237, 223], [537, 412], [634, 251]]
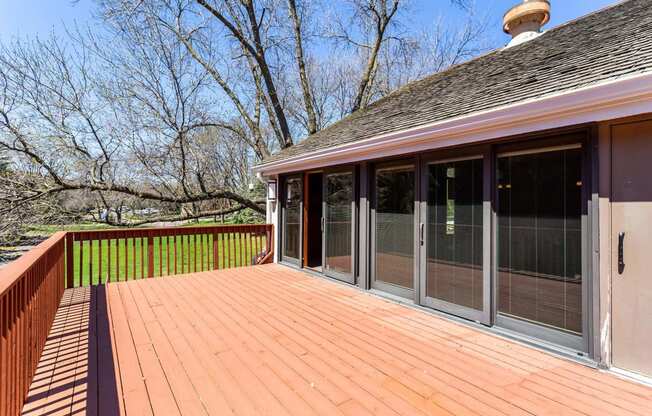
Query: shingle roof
[[602, 46]]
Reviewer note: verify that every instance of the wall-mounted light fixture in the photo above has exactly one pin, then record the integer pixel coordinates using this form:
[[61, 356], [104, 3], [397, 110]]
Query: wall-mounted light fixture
[[271, 191]]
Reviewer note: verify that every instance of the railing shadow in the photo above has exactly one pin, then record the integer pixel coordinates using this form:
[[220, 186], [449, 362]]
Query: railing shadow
[[76, 372]]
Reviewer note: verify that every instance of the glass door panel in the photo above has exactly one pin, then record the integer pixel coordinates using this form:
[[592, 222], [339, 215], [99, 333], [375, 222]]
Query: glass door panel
[[338, 224], [454, 233], [393, 229], [539, 238], [292, 195]]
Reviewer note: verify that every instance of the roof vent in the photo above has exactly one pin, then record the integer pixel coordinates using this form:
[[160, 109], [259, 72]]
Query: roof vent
[[525, 20]]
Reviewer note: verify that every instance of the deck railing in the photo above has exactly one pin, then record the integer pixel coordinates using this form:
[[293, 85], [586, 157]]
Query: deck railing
[[30, 291], [96, 257], [31, 287]]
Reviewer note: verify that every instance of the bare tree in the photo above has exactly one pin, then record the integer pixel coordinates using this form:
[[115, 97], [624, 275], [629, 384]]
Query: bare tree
[[125, 120], [270, 39], [166, 108]]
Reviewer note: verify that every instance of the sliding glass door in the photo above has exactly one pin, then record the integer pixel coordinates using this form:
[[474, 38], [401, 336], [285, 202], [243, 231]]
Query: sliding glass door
[[291, 206], [453, 276], [393, 230], [539, 243], [339, 208]]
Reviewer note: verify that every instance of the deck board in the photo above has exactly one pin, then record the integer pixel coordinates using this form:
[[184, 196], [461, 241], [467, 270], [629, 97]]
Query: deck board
[[269, 340]]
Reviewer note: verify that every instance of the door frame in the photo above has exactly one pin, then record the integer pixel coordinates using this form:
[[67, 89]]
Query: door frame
[[581, 343], [348, 278], [402, 292], [483, 153], [282, 214]]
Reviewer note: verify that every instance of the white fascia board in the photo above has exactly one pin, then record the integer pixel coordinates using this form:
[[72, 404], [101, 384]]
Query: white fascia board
[[622, 97]]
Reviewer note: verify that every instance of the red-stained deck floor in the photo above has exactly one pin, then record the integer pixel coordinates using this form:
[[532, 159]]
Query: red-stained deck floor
[[269, 340]]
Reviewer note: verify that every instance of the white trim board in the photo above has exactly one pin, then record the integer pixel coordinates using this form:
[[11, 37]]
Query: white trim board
[[618, 98]]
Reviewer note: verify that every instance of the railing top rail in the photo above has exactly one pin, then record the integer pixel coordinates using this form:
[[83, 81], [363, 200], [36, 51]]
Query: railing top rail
[[158, 231], [12, 272]]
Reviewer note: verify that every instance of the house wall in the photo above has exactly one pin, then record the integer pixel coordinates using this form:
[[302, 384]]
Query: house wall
[[608, 244]]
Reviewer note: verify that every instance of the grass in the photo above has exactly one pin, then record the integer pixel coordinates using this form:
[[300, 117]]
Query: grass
[[49, 229], [93, 258]]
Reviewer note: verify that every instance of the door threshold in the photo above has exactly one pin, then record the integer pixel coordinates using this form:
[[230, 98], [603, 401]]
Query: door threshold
[[578, 356], [392, 297], [630, 376]]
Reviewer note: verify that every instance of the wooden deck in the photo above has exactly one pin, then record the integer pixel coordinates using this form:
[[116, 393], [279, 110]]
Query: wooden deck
[[268, 340]]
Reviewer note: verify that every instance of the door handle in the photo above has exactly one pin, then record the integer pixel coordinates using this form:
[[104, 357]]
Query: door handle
[[621, 252], [322, 225], [421, 229]]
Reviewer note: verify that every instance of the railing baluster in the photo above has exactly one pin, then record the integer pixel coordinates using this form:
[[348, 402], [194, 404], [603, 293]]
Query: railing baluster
[[250, 261], [69, 261], [193, 244], [81, 262], [133, 258], [216, 250], [197, 243], [234, 240], [240, 244], [117, 259], [227, 249], [167, 255], [3, 354], [243, 244], [160, 256], [108, 260], [202, 241], [14, 355], [126, 251], [222, 250], [238, 248], [142, 257], [150, 256], [174, 243], [90, 262], [244, 248], [182, 254], [99, 270]]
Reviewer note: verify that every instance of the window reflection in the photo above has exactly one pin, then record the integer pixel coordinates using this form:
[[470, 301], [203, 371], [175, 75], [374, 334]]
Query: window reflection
[[394, 233], [292, 218], [454, 233], [539, 238], [339, 198]]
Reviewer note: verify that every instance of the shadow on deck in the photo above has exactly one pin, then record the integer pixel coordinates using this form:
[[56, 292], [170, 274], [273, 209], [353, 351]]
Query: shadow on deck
[[76, 374]]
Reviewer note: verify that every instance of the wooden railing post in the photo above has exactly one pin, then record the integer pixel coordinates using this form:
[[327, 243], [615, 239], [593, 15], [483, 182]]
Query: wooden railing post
[[150, 256], [69, 261]]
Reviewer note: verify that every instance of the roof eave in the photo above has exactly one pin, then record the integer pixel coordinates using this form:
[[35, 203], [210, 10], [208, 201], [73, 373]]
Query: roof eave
[[616, 98]]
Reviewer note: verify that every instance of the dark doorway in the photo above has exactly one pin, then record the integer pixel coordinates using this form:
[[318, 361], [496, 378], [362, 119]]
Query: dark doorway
[[314, 219]]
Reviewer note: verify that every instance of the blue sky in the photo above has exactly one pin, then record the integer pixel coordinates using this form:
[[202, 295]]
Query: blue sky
[[40, 17]]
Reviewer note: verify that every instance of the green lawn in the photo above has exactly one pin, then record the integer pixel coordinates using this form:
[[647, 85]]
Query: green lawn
[[48, 229], [133, 257]]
